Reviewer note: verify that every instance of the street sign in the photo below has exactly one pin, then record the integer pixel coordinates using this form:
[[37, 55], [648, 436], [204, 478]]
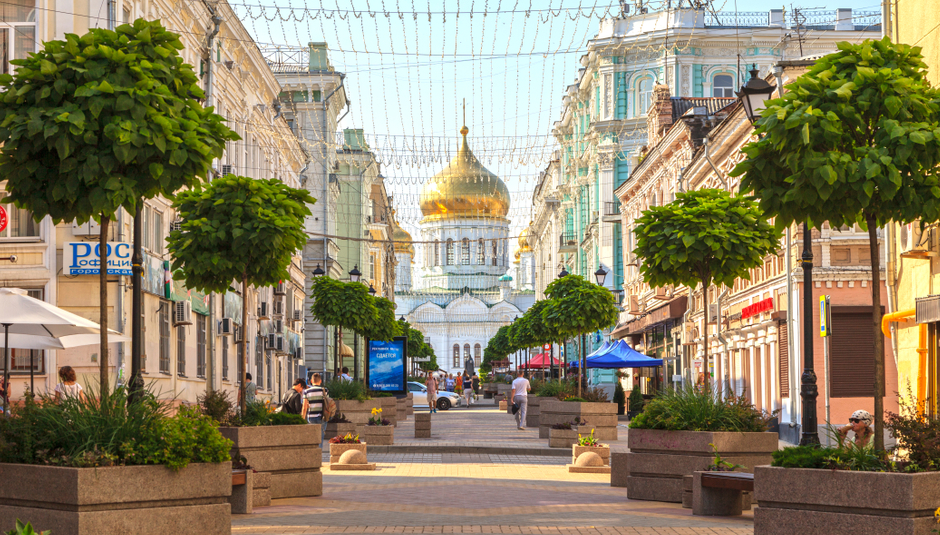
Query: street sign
[[3, 219], [825, 317]]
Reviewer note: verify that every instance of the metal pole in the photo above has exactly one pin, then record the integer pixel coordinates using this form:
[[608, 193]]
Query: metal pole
[[136, 381], [808, 389], [355, 355], [6, 369]]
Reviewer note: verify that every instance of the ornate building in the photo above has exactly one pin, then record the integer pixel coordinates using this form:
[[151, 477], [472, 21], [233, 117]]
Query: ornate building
[[459, 296]]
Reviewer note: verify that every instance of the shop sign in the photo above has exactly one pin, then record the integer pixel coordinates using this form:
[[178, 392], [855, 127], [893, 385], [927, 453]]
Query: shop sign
[[3, 219], [757, 308], [83, 258], [179, 292]]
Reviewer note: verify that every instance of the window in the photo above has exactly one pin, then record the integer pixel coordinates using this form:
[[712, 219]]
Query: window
[[240, 352], [372, 268], [437, 253], [465, 252], [477, 354], [270, 375], [224, 358], [181, 351], [450, 252], [127, 15], [201, 322], [644, 96], [466, 354], [24, 359], [19, 32], [456, 355], [494, 252], [152, 234], [723, 86], [481, 252], [852, 336], [259, 361], [164, 320], [20, 223], [157, 244]]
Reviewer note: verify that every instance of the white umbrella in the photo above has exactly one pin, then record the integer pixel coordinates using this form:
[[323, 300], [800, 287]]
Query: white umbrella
[[29, 323]]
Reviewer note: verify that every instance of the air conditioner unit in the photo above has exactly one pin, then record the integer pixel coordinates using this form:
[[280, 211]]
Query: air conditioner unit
[[88, 228], [712, 313], [663, 292], [264, 312], [278, 326], [176, 225], [270, 341], [226, 327], [914, 242], [297, 316], [182, 313], [278, 307], [228, 170], [238, 334], [634, 305], [299, 353], [280, 345], [280, 289]]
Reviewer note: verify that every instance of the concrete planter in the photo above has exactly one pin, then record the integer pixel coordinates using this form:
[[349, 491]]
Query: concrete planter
[[389, 408], [410, 404], [357, 412], [401, 409], [532, 411], [145, 500], [659, 459], [291, 453], [602, 417], [565, 438], [503, 390], [378, 435], [337, 450], [602, 451], [340, 430], [810, 502], [489, 390]]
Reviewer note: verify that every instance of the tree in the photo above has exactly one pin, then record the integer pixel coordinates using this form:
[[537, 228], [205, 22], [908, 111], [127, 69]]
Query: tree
[[576, 307], [703, 237], [856, 139], [417, 347], [99, 122], [498, 348], [238, 229], [530, 330], [383, 326]]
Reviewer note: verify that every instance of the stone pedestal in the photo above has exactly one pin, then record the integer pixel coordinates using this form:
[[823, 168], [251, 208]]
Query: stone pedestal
[[337, 450], [242, 498], [410, 406], [389, 408], [378, 435], [532, 411], [291, 453], [687, 491], [401, 408], [618, 469], [503, 405], [707, 501], [423, 425], [261, 495], [602, 451], [601, 417]]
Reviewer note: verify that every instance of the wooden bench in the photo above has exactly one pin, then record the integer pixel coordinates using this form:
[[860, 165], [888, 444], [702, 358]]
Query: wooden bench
[[241, 498], [720, 493]]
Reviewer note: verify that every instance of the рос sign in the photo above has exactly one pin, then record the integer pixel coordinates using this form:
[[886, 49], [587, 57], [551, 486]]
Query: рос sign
[[82, 258]]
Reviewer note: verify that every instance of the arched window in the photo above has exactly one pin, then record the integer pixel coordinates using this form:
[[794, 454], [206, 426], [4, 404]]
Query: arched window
[[644, 95], [437, 253], [465, 252], [494, 252], [481, 252], [723, 86], [477, 354], [450, 252], [456, 355], [466, 353]]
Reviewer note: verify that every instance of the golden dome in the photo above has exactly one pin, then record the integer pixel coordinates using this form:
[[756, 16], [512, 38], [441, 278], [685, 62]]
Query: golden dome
[[402, 241], [517, 255], [464, 189], [524, 244]]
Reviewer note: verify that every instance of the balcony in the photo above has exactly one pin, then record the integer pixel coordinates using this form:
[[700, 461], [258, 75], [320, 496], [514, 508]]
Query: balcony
[[568, 244], [612, 213]]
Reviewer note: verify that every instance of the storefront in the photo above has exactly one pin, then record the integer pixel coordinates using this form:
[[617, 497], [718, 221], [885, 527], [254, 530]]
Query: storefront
[[657, 334]]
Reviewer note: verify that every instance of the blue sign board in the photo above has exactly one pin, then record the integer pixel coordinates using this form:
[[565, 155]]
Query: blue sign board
[[386, 365]]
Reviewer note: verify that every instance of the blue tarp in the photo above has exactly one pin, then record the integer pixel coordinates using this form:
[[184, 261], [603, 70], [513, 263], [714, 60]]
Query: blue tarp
[[619, 355]]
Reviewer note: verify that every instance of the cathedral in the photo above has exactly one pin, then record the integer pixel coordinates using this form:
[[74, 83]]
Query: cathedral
[[464, 291]]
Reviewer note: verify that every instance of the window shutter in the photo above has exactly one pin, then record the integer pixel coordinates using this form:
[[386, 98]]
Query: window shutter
[[850, 353], [783, 349]]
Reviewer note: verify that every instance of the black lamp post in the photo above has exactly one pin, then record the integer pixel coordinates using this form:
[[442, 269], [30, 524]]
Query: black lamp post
[[137, 270], [318, 272], [600, 275], [355, 274], [371, 291], [754, 95], [564, 272]]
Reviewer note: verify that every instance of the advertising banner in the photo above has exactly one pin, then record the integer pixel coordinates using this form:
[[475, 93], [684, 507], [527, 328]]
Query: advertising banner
[[386, 365], [154, 276], [82, 258]]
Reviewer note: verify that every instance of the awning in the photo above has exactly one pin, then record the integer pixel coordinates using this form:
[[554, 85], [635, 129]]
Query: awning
[[540, 361], [674, 309], [620, 355], [345, 350]]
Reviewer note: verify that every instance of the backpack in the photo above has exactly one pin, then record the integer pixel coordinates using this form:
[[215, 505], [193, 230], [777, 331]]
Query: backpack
[[329, 407]]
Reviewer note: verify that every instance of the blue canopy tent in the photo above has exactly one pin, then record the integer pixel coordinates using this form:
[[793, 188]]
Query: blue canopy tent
[[620, 355], [601, 350]]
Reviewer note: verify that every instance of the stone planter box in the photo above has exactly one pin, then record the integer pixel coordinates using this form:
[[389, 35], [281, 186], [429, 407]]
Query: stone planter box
[[659, 459], [503, 390], [337, 450], [401, 409], [389, 408], [532, 411], [602, 451], [565, 438], [378, 435], [145, 500], [808, 501], [340, 430], [489, 390], [410, 404], [291, 453], [358, 412], [601, 417]]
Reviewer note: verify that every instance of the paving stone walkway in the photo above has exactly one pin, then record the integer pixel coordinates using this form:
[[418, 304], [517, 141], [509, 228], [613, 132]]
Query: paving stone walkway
[[515, 488]]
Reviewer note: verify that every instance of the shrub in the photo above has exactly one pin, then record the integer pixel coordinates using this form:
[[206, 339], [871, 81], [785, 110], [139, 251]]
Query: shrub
[[694, 409], [575, 398], [801, 457], [284, 418], [216, 404], [917, 432], [620, 398], [27, 529], [347, 390], [595, 395], [348, 439], [421, 379], [553, 389], [636, 400]]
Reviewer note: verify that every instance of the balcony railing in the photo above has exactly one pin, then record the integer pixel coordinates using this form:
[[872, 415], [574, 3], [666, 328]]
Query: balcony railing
[[568, 241]]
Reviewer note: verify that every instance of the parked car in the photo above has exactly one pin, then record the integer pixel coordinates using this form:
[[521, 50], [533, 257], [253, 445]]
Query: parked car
[[445, 400]]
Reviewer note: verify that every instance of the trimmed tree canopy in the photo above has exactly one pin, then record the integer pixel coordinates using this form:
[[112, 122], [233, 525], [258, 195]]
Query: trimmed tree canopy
[[530, 329], [237, 228], [384, 326], [342, 304], [575, 306]]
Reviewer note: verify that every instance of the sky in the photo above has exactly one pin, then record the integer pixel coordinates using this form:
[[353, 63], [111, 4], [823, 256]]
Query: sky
[[410, 63]]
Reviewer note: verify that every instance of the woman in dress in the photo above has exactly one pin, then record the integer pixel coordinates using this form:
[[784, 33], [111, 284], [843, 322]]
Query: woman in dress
[[68, 386]]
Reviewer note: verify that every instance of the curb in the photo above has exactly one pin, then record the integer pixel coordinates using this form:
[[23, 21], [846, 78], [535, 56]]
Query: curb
[[486, 450]]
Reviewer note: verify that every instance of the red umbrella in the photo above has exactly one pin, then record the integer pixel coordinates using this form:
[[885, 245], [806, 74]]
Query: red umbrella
[[540, 361]]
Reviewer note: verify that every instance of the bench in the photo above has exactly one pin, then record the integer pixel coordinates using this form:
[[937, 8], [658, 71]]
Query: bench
[[720, 493], [241, 498]]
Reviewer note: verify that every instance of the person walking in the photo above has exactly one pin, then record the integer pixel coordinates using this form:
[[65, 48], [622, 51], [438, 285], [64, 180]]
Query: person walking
[[431, 385], [294, 404], [251, 391], [68, 387], [313, 404], [520, 390], [475, 384], [449, 382], [467, 388]]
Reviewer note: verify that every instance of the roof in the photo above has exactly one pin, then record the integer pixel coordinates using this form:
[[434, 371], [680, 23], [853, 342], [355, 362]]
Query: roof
[[680, 105]]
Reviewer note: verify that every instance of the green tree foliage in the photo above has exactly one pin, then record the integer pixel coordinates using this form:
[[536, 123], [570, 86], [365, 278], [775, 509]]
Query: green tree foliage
[[856, 139], [238, 229], [498, 348], [703, 237], [530, 329], [576, 306], [383, 326], [342, 304], [97, 122], [417, 348]]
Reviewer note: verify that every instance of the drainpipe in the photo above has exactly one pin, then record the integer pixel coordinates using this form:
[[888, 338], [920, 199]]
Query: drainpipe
[[903, 315], [891, 280], [721, 338], [326, 197], [708, 159]]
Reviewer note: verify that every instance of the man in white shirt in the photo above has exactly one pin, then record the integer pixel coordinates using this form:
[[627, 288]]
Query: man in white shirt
[[345, 376], [520, 389]]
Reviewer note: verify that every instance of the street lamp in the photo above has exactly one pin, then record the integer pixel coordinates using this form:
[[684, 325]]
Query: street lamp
[[371, 290], [401, 318], [754, 95], [564, 272], [600, 275], [355, 274], [318, 272]]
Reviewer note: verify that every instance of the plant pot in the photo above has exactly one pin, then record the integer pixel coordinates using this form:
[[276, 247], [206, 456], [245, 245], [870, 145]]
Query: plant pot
[[810, 502], [602, 417], [565, 438], [410, 404], [337, 450], [401, 409], [602, 451], [532, 411], [357, 412], [659, 459], [340, 430], [378, 435], [291, 453], [144, 500]]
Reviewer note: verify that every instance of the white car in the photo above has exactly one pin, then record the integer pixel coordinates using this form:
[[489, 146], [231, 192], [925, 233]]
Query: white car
[[445, 400]]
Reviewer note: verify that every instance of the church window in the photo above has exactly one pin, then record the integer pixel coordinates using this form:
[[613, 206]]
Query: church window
[[466, 353], [456, 355], [465, 252], [494, 252], [481, 252], [723, 86], [437, 253], [477, 354], [644, 91], [450, 252]]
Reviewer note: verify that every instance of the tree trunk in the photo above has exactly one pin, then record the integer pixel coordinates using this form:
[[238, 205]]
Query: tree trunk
[[103, 303], [705, 285], [879, 341], [244, 333]]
